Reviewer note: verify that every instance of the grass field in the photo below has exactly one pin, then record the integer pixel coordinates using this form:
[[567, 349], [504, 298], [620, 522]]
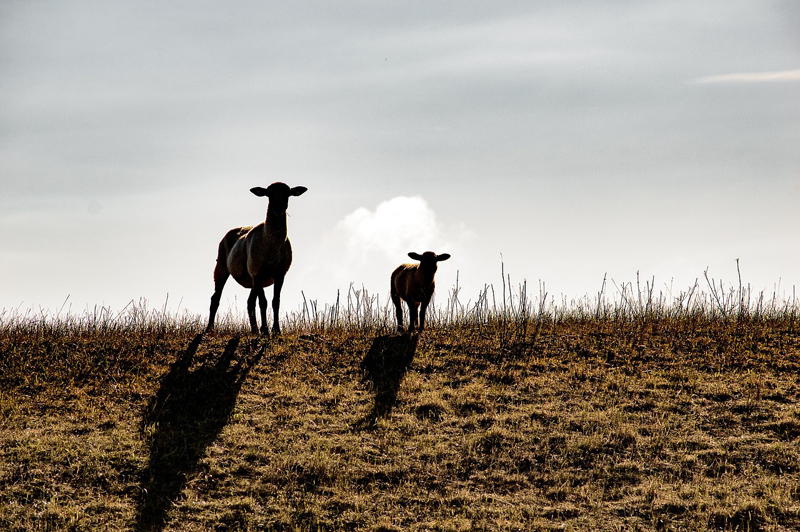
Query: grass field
[[641, 414]]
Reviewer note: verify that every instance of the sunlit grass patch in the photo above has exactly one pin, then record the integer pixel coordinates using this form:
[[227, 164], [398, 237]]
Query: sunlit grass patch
[[636, 411]]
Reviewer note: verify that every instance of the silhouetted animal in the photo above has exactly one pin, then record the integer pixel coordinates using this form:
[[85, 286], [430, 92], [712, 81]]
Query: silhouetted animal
[[257, 257], [413, 283]]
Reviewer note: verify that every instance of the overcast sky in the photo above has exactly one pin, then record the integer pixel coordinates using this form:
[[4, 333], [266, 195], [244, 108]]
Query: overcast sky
[[564, 140]]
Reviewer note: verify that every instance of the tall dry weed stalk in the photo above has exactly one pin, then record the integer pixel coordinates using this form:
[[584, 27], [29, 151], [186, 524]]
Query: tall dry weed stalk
[[513, 316]]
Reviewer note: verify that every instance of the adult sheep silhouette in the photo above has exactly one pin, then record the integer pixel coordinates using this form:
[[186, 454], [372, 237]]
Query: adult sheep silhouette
[[414, 284], [257, 257]]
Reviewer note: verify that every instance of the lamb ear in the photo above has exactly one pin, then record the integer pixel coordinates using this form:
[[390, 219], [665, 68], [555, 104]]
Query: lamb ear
[[443, 256], [415, 256], [296, 191], [259, 191]]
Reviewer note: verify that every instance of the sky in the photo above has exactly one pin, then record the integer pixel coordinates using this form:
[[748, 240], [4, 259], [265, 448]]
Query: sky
[[558, 142]]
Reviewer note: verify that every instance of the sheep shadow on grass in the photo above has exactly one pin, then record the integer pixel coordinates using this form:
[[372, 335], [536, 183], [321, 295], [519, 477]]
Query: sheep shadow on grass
[[384, 367], [188, 412]]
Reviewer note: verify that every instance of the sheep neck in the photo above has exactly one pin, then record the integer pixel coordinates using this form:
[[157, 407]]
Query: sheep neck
[[427, 271], [425, 276], [276, 221]]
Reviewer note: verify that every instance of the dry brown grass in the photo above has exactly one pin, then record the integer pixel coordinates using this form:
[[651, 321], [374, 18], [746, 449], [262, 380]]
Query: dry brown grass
[[588, 421]]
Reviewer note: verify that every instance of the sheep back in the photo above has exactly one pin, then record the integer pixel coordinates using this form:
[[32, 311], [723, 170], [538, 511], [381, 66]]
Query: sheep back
[[248, 255], [408, 282]]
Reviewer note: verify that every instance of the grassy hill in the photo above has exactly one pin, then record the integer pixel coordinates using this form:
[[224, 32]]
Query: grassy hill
[[515, 420]]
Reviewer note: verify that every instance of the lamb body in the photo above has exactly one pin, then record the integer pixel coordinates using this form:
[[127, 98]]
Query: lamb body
[[414, 284]]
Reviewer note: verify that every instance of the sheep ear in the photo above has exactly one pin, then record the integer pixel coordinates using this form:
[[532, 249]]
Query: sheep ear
[[415, 256], [259, 191], [296, 191], [443, 256]]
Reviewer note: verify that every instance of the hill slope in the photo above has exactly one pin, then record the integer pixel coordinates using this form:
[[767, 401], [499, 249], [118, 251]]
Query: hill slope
[[596, 424]]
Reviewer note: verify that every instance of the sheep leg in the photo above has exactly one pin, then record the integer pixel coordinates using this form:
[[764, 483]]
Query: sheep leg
[[422, 315], [251, 308], [262, 305], [398, 307], [276, 305], [413, 315], [220, 276]]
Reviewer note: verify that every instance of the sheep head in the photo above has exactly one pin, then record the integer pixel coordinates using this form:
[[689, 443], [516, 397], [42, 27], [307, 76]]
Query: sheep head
[[278, 193], [428, 260]]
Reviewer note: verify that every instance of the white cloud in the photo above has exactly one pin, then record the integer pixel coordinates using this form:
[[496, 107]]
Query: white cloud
[[753, 77], [366, 245], [394, 228]]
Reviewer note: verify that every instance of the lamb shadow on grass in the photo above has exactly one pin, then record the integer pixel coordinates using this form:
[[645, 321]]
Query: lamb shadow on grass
[[188, 412], [384, 366]]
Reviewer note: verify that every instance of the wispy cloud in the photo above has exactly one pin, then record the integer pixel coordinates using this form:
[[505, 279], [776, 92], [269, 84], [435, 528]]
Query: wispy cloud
[[753, 77]]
